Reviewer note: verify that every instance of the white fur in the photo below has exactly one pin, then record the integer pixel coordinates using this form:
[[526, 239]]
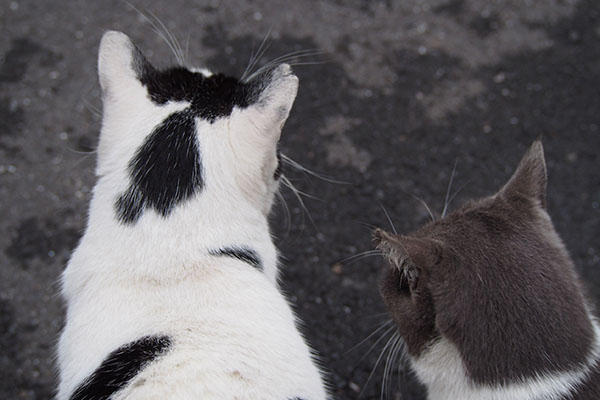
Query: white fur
[[441, 369], [233, 333]]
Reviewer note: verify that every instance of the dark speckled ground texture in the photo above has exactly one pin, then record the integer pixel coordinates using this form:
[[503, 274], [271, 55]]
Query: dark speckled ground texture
[[402, 90]]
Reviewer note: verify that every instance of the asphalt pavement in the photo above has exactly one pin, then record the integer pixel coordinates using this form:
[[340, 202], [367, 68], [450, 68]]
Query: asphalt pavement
[[394, 94]]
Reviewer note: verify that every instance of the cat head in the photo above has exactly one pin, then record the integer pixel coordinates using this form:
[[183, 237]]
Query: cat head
[[170, 135], [494, 280]]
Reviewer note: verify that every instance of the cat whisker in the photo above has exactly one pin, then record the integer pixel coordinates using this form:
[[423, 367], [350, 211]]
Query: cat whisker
[[178, 51], [381, 326], [286, 211], [385, 349], [386, 368], [273, 62], [282, 59], [84, 157], [163, 33], [254, 57], [264, 46], [302, 168], [310, 196], [92, 108], [376, 315], [364, 254], [457, 192], [388, 218], [394, 362], [298, 194], [80, 152], [402, 368], [387, 382], [449, 187], [187, 47], [293, 64], [367, 225], [290, 57], [383, 335], [423, 203]]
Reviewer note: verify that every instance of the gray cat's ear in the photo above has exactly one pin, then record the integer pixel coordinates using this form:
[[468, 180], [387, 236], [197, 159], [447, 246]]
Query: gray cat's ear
[[120, 63], [530, 178], [422, 252]]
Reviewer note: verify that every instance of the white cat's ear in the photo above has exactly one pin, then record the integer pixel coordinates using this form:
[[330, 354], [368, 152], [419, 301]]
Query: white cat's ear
[[530, 178], [262, 121], [120, 63], [276, 99]]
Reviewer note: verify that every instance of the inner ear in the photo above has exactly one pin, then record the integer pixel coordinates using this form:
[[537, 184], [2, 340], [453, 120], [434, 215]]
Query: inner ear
[[412, 274], [530, 178]]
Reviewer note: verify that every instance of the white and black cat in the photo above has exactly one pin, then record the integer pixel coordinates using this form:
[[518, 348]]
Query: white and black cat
[[172, 292], [488, 301]]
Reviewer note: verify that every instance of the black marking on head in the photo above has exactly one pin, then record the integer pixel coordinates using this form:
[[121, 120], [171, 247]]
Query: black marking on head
[[279, 169], [210, 97], [120, 367], [241, 253], [165, 171]]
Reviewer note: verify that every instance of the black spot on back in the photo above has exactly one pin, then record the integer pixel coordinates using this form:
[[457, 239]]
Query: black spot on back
[[165, 171], [241, 253], [120, 367]]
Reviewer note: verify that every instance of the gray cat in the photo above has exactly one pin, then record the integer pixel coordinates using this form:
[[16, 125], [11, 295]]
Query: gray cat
[[488, 302]]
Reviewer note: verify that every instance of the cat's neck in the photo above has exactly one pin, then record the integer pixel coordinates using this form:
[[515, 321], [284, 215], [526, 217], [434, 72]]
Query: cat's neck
[[190, 237], [442, 370]]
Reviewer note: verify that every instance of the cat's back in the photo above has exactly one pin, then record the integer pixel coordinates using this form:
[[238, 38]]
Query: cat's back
[[229, 331]]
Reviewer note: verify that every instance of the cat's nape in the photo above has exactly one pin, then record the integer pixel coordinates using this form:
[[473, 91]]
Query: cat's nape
[[172, 291], [488, 302]]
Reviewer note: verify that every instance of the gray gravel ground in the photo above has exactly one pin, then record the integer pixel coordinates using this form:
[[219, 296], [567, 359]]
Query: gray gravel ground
[[404, 89]]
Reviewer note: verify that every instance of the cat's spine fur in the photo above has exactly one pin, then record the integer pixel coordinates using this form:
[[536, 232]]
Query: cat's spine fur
[[230, 332]]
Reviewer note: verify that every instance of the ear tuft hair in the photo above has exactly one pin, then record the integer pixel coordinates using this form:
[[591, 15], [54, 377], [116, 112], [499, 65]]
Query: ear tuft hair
[[423, 252], [530, 178]]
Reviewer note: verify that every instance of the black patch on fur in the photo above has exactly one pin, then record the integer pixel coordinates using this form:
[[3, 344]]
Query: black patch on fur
[[165, 171], [211, 97], [241, 253], [120, 367], [279, 169], [167, 168]]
